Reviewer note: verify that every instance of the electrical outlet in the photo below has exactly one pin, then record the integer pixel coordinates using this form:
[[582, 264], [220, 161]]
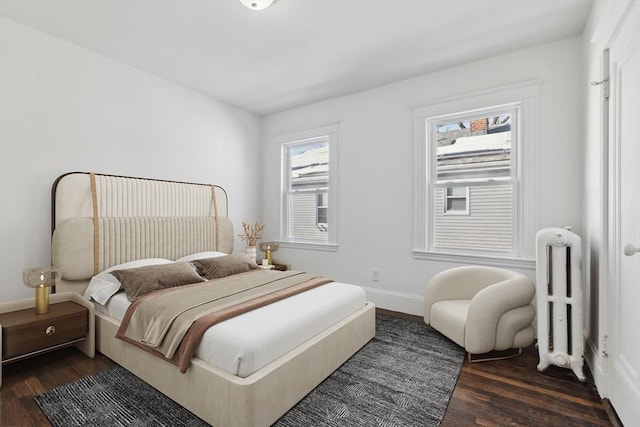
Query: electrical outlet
[[375, 275]]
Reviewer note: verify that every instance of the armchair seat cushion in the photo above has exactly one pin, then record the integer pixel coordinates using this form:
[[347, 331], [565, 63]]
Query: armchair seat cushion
[[450, 318]]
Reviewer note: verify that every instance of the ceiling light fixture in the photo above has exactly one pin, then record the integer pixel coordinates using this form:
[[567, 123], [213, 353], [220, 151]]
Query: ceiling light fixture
[[257, 4]]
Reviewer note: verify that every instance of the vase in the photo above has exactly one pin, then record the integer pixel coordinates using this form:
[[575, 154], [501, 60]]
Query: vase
[[250, 251]]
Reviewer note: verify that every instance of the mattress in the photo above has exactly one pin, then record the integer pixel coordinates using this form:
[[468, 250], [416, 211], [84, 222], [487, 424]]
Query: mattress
[[246, 343]]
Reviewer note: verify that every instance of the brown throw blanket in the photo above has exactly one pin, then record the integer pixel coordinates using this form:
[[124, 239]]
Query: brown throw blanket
[[170, 323]]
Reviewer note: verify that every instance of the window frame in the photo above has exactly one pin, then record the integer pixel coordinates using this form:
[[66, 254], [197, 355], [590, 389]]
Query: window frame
[[328, 133], [526, 96]]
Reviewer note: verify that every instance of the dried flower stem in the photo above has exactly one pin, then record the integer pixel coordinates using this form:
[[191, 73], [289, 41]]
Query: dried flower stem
[[251, 233]]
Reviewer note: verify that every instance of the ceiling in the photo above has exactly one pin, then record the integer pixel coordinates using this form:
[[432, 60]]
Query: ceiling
[[298, 51]]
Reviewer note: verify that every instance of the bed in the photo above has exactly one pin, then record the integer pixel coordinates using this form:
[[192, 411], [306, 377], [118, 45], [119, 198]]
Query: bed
[[101, 222]]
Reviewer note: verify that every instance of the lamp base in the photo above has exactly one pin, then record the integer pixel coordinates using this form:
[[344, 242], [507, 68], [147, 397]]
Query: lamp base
[[269, 257], [42, 299]]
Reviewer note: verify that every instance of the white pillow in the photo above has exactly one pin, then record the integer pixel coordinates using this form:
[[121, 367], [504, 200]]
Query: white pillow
[[201, 255], [104, 285]]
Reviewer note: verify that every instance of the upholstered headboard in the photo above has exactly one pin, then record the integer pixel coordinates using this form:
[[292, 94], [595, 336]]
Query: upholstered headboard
[[99, 221]]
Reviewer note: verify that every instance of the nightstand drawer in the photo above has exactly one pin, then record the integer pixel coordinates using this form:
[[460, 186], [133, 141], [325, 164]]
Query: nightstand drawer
[[25, 332]]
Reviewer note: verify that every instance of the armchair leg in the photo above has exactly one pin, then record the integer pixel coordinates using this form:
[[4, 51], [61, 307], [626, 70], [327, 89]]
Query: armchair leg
[[494, 355]]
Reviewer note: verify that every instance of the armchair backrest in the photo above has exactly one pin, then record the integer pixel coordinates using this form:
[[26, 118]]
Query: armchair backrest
[[462, 283]]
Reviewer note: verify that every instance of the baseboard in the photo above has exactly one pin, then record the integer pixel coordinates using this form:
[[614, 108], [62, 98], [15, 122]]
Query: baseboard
[[611, 413], [595, 361], [396, 301]]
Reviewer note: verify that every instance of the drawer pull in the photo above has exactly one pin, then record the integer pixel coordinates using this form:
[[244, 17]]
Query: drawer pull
[[50, 330]]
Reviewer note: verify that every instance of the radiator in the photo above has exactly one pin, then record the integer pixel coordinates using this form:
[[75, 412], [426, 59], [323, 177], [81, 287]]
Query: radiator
[[559, 299]]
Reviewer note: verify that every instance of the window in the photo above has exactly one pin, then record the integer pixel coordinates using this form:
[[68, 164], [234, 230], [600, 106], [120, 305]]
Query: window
[[471, 155], [308, 189], [456, 201], [322, 211], [472, 173]]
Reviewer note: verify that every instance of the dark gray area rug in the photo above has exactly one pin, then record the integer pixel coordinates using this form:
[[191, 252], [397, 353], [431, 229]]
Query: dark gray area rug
[[403, 377]]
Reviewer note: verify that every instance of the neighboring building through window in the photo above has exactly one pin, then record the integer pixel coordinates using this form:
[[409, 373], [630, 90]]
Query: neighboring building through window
[[473, 180], [308, 193]]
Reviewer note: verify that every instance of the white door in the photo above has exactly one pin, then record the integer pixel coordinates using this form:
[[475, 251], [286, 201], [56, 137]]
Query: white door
[[624, 286]]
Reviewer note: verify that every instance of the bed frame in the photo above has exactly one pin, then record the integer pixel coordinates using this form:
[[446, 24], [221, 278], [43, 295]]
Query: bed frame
[[104, 220]]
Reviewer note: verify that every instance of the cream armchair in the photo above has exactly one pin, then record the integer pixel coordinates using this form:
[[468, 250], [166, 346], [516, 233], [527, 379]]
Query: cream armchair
[[481, 308]]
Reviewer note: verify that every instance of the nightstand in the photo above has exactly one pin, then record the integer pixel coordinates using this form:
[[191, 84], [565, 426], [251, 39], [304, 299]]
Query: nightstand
[[276, 266], [23, 333]]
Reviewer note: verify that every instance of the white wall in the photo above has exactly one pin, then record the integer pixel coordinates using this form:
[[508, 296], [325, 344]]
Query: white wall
[[64, 108], [375, 149]]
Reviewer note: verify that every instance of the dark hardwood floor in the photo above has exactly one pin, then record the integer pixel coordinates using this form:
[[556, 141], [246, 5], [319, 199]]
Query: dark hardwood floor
[[507, 392], [512, 392], [31, 377]]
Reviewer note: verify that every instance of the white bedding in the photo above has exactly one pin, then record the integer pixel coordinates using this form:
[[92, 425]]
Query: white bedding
[[246, 343]]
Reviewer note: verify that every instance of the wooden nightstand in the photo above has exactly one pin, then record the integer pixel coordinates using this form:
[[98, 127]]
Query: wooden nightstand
[[23, 333], [276, 266], [281, 267]]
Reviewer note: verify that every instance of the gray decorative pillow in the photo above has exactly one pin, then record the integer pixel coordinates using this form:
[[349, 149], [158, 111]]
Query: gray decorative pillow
[[223, 266], [143, 280]]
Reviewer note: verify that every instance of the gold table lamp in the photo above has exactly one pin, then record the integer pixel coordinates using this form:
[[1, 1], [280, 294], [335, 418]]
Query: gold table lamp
[[269, 248], [41, 278]]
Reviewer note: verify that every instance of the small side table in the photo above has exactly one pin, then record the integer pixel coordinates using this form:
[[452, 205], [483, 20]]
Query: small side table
[[280, 267], [276, 266], [23, 333]]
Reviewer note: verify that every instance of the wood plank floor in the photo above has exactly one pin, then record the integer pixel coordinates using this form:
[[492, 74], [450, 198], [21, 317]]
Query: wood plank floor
[[512, 392], [499, 393]]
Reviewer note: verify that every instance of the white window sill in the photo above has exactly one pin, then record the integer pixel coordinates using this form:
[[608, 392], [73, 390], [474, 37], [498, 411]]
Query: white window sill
[[326, 247], [491, 260]]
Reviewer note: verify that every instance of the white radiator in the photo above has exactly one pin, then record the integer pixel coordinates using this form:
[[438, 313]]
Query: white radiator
[[559, 299]]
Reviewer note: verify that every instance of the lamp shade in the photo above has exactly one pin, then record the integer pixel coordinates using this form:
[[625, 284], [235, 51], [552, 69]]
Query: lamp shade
[[41, 276]]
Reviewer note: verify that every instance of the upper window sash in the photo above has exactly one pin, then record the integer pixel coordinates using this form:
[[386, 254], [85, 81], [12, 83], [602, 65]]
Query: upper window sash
[[502, 142], [312, 176]]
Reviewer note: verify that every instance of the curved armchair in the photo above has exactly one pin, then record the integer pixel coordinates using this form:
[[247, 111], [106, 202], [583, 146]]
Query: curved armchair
[[481, 308]]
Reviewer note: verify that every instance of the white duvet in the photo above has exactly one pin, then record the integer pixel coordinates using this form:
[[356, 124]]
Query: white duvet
[[246, 343]]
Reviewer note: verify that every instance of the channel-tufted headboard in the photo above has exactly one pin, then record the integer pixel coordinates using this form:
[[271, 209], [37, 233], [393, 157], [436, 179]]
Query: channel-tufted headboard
[[103, 220]]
